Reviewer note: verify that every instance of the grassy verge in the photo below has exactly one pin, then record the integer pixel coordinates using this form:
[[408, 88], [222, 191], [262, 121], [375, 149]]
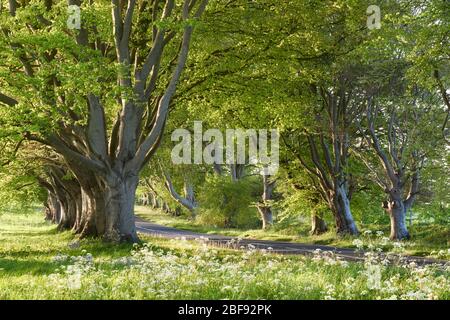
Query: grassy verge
[[428, 240], [36, 262]]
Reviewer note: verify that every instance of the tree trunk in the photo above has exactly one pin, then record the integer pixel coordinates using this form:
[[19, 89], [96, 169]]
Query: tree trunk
[[395, 169], [165, 207], [398, 225], [318, 225], [343, 216], [177, 212], [396, 209], [154, 202], [92, 212], [188, 201], [77, 202], [48, 212], [237, 171], [71, 201], [107, 204], [264, 207], [64, 222], [189, 195], [54, 208], [119, 203], [61, 198], [144, 200], [266, 216]]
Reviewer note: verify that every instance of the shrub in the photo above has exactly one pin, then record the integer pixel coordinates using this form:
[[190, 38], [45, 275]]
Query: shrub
[[225, 203]]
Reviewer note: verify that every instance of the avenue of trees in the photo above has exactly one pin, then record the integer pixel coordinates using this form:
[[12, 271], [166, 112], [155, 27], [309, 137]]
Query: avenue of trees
[[86, 114]]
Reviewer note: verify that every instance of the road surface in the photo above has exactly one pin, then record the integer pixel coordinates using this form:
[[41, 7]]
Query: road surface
[[279, 247]]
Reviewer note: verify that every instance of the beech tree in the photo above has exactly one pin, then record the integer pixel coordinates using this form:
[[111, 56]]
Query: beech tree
[[403, 136], [406, 116], [393, 162], [328, 158], [148, 51]]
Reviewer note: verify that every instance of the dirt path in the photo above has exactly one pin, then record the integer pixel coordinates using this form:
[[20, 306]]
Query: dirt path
[[274, 246]]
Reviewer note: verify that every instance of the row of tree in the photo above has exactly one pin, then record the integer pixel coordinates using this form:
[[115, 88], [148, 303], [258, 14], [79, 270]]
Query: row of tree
[[83, 112]]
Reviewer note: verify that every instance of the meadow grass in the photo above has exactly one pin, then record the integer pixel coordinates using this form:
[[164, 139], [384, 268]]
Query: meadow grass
[[428, 240], [37, 262]]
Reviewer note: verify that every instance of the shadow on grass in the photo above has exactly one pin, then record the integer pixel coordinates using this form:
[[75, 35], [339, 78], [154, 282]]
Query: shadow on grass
[[18, 267], [30, 233]]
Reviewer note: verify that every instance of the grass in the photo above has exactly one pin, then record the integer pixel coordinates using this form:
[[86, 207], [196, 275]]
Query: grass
[[37, 262], [428, 240]]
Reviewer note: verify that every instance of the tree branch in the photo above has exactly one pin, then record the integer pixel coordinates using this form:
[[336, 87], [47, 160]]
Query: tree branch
[[8, 100]]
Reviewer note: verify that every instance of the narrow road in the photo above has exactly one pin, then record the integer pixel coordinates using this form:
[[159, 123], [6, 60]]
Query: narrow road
[[279, 247]]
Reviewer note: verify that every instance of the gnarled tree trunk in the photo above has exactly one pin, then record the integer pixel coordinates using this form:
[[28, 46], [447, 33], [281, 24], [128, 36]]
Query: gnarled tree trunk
[[329, 153], [396, 208], [53, 208], [119, 202], [341, 210], [188, 201], [394, 166], [107, 161]]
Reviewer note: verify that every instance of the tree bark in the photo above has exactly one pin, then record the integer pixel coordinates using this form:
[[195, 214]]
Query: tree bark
[[341, 209], [266, 217], [264, 207], [236, 171], [188, 201], [53, 208], [318, 225], [396, 209], [155, 203], [119, 205], [92, 212]]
